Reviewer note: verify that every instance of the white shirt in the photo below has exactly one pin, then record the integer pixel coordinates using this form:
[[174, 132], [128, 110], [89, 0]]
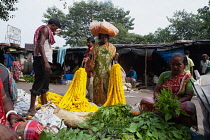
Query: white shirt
[[204, 65], [67, 68]]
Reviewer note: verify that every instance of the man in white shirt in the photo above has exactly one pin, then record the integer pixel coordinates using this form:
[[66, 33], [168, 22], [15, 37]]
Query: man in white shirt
[[204, 64]]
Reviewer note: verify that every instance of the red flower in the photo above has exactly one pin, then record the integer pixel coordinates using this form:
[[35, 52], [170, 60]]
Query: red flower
[[0, 71]]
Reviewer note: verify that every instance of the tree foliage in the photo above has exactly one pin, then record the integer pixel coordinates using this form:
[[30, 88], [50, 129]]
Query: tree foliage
[[75, 24], [186, 26], [183, 26], [7, 6], [204, 15], [160, 36], [125, 37]]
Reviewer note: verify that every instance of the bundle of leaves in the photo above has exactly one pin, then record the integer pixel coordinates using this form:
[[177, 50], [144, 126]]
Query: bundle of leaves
[[150, 126], [28, 78], [65, 134], [109, 121], [168, 105]]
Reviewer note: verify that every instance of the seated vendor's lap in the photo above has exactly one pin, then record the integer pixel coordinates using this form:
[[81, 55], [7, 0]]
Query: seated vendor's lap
[[30, 129], [187, 106], [129, 79]]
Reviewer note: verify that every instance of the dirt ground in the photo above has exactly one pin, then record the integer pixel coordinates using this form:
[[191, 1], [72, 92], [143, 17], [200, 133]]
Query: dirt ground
[[132, 97]]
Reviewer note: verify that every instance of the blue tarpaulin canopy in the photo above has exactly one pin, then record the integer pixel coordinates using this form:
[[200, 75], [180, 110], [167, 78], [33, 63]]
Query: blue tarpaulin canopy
[[166, 55], [76, 51]]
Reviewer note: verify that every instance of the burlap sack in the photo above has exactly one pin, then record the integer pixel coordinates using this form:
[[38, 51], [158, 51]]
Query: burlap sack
[[71, 119]]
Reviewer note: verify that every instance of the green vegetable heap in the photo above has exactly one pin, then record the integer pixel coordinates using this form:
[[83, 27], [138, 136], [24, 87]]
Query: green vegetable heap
[[118, 123], [28, 78]]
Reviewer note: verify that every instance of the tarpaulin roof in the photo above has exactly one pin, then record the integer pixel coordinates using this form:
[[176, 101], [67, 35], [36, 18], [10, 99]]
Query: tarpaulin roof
[[142, 49]]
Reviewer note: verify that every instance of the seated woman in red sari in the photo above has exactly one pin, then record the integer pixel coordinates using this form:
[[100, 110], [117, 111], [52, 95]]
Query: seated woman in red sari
[[179, 83], [12, 126]]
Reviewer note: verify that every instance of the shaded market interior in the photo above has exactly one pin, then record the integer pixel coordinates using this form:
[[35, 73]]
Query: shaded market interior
[[147, 59]]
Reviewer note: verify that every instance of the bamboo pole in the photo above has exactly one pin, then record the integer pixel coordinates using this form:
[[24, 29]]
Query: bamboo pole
[[145, 69]]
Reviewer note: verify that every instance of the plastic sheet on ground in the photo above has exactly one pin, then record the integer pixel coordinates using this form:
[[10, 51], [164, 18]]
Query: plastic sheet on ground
[[49, 120], [23, 102], [44, 115]]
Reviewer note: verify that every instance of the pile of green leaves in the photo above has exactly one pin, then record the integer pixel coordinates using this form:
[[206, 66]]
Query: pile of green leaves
[[28, 78], [118, 123], [168, 104], [150, 126], [109, 121], [64, 134]]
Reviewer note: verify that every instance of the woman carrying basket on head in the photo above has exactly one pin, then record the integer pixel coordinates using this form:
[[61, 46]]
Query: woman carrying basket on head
[[102, 57]]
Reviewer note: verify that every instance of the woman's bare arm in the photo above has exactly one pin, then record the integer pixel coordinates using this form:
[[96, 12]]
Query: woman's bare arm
[[187, 96]]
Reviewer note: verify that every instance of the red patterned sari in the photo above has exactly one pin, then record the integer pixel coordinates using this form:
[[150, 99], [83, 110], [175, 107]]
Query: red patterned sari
[[2, 113], [176, 84], [16, 70], [28, 130]]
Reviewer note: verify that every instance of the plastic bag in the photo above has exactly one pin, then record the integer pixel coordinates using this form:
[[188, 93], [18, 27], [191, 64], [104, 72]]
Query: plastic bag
[[23, 102], [97, 27]]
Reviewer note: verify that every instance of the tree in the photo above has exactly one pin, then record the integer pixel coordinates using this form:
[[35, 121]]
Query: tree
[[149, 39], [124, 37], [183, 25], [75, 24], [55, 13], [164, 36], [204, 15], [7, 6], [186, 26]]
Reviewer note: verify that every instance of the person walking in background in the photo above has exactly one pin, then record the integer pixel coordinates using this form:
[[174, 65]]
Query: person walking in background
[[131, 77], [89, 68], [43, 39], [16, 69], [189, 68], [204, 64], [103, 54]]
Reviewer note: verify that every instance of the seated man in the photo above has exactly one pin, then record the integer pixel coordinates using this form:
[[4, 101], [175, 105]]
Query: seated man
[[67, 68], [56, 73], [131, 77]]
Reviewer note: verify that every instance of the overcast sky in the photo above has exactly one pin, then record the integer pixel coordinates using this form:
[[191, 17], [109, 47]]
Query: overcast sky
[[149, 15]]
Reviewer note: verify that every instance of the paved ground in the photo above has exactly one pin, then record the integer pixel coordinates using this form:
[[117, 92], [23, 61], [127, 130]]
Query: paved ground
[[132, 97]]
